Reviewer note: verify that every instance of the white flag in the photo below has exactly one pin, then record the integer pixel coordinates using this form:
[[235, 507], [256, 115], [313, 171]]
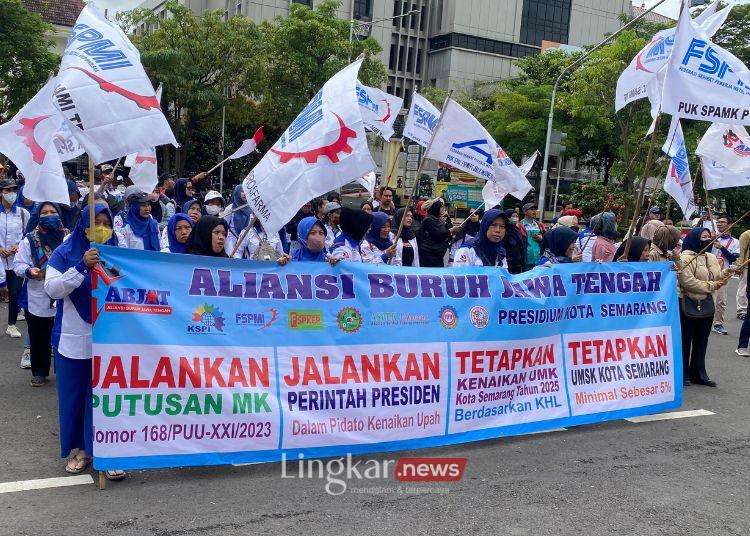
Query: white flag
[[29, 141], [143, 170], [703, 81], [716, 176], [104, 93], [248, 146], [379, 110], [65, 142], [422, 120], [324, 148], [729, 145], [632, 83], [368, 182], [678, 183], [526, 166]]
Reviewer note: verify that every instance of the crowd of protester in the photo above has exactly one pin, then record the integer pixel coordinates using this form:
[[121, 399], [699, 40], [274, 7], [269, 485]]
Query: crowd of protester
[[47, 254]]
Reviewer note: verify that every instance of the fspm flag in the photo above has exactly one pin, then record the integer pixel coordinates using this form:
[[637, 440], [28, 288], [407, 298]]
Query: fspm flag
[[678, 183], [324, 148], [729, 145], [632, 83], [464, 143], [717, 176], [29, 141], [248, 146], [379, 110], [422, 120], [104, 93], [703, 81]]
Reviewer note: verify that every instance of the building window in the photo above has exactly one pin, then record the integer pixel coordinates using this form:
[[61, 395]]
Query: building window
[[401, 51], [238, 9], [410, 60], [545, 20], [396, 11], [482, 44], [363, 9], [307, 3], [392, 57], [423, 18], [413, 18], [419, 61]]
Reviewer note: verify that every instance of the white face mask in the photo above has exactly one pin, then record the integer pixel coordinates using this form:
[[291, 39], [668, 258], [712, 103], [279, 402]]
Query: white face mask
[[10, 197], [213, 210], [121, 188]]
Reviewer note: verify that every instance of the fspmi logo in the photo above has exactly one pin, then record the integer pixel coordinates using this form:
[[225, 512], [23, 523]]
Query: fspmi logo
[[365, 101], [260, 320], [99, 51], [425, 118], [137, 300]]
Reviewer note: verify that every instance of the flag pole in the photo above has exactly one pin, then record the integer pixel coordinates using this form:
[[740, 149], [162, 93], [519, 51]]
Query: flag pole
[[218, 165], [421, 165], [708, 204], [244, 234], [92, 216], [745, 215], [393, 168]]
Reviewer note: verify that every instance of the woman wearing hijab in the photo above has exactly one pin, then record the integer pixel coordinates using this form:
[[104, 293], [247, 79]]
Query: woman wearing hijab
[[178, 231], [469, 230], [68, 280], [376, 247], [238, 220], [407, 250], [311, 235], [605, 233], [139, 229], [559, 246], [184, 191], [434, 235], [208, 237], [252, 242], [486, 249], [649, 229], [664, 246], [699, 275], [569, 221], [366, 206], [638, 251], [354, 224], [192, 209], [30, 263]]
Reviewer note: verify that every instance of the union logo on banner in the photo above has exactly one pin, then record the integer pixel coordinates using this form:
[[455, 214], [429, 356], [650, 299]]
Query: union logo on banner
[[736, 143], [657, 52]]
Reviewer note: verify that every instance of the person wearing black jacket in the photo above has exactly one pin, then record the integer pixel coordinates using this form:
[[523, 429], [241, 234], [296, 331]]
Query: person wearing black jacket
[[434, 235]]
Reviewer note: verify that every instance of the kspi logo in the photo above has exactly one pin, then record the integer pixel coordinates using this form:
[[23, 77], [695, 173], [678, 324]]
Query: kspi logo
[[425, 118], [736, 144], [260, 320], [137, 300], [207, 318], [655, 53]]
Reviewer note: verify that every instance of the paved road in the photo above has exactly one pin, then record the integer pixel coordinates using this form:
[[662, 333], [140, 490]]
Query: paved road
[[686, 476]]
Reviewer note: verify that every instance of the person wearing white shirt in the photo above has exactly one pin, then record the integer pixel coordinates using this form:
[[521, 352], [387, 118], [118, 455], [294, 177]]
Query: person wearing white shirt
[[251, 242], [486, 248], [13, 220], [705, 222], [139, 229], [30, 263], [331, 218], [727, 251], [354, 225], [376, 248], [407, 250]]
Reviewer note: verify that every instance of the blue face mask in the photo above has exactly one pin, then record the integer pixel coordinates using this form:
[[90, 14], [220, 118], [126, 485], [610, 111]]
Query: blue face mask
[[49, 223]]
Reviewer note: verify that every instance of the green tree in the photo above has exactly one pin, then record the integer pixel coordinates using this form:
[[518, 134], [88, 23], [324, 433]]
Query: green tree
[[26, 59]]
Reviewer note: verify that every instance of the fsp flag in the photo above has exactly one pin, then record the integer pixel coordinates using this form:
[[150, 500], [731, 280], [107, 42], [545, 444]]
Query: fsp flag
[[678, 183], [104, 93], [462, 142], [729, 145], [143, 170], [379, 110], [703, 81], [248, 146], [422, 120], [368, 182], [324, 148], [29, 141], [632, 83], [717, 176]]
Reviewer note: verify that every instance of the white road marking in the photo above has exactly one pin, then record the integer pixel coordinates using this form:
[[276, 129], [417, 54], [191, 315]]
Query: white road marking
[[43, 483], [671, 415]]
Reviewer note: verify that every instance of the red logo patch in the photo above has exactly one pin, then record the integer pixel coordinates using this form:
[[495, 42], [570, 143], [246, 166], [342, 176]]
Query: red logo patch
[[27, 133], [142, 101], [331, 151]]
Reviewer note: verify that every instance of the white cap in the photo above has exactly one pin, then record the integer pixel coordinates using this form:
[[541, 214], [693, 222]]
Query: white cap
[[211, 195]]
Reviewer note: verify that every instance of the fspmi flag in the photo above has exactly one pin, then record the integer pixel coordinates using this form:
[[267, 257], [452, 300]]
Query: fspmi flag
[[104, 93], [678, 183], [29, 140], [717, 176], [324, 148], [729, 145], [422, 120], [379, 110], [703, 81]]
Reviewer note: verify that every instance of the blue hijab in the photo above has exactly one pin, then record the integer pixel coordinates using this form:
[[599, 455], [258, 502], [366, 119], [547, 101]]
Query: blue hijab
[[490, 253], [144, 228], [556, 243], [180, 196], [692, 241], [70, 254], [239, 217], [303, 231], [379, 219], [174, 245], [186, 206]]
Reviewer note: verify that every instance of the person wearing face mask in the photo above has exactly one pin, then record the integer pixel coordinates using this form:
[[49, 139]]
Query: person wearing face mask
[[239, 219], [699, 276], [213, 203], [376, 248], [311, 235], [354, 226], [68, 280], [208, 237], [178, 230], [486, 248], [332, 215], [727, 251], [13, 220], [559, 246], [30, 263], [434, 235], [407, 249], [139, 230]]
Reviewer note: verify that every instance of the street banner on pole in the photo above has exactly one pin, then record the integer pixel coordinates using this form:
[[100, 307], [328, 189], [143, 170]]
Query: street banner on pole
[[233, 361]]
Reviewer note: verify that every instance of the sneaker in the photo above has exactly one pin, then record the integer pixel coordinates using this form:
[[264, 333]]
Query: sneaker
[[26, 359], [719, 328], [21, 317], [12, 331], [742, 352], [38, 381]]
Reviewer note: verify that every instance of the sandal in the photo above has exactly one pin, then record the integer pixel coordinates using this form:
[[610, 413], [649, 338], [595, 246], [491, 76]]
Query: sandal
[[79, 465], [115, 474]]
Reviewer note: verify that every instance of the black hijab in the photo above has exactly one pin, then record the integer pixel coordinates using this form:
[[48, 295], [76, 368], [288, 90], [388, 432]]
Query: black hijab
[[471, 228], [199, 241], [354, 223], [406, 232], [636, 250]]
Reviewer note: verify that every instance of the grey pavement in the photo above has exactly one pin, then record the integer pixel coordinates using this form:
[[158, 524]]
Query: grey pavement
[[670, 477]]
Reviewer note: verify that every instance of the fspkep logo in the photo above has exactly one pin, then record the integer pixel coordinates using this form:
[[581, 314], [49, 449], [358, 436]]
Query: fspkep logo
[[305, 319], [349, 320], [448, 317], [207, 318]]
